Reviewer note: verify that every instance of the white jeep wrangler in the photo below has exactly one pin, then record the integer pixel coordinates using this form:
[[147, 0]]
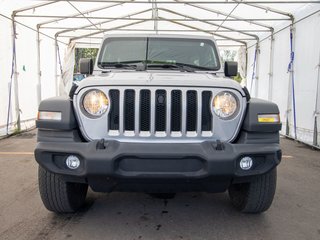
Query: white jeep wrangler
[[158, 114]]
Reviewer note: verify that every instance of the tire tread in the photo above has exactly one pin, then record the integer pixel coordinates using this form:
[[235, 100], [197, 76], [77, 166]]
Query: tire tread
[[256, 196], [58, 195]]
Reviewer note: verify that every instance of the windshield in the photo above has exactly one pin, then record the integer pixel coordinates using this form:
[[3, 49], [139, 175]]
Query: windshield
[[198, 54]]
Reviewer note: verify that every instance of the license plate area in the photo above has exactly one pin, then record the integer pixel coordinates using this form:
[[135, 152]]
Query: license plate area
[[157, 165]]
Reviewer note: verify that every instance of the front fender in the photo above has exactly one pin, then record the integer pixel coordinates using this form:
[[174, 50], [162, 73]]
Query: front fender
[[58, 104]]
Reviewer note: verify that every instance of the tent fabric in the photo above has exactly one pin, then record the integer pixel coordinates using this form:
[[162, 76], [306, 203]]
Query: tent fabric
[[67, 70], [242, 64], [246, 26]]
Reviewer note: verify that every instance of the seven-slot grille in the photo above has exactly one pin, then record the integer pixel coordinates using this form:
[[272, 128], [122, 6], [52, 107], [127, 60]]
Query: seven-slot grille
[[160, 112]]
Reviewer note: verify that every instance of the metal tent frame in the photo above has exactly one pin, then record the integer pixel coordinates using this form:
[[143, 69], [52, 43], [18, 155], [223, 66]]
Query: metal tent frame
[[215, 26]]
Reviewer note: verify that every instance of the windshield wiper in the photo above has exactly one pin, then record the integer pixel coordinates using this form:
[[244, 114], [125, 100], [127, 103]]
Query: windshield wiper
[[195, 67], [141, 65], [124, 64], [117, 65], [181, 66]]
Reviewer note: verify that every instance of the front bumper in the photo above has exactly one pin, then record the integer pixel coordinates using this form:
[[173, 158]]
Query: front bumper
[[124, 162]]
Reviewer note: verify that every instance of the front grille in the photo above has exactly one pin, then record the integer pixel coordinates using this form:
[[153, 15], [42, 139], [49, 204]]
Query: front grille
[[160, 112]]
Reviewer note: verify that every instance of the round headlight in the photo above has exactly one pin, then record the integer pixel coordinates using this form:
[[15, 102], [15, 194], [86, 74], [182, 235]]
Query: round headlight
[[225, 105], [95, 103]]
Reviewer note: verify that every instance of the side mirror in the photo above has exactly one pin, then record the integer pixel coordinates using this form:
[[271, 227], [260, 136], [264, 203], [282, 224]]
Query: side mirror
[[230, 69], [86, 66]]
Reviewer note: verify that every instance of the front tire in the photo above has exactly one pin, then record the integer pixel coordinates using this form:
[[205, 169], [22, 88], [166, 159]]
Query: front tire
[[256, 196], [58, 195]]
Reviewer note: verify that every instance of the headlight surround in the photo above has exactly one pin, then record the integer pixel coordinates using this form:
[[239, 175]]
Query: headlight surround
[[225, 105], [95, 103]]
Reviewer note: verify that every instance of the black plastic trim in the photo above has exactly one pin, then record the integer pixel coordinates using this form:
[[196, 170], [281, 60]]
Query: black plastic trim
[[72, 90], [125, 161], [246, 91], [254, 108], [58, 104]]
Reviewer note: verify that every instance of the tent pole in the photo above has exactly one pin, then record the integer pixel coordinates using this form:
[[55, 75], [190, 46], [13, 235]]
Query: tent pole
[[56, 63], [256, 87], [152, 30], [203, 2], [144, 18], [226, 14], [316, 111], [34, 7], [201, 30], [208, 22], [293, 84], [92, 23], [99, 23], [79, 14], [266, 8], [246, 79], [289, 102], [102, 31], [271, 66], [291, 93], [155, 15], [254, 77], [38, 66], [15, 75]]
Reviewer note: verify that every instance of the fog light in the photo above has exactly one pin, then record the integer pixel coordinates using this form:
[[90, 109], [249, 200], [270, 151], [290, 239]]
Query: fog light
[[72, 162], [246, 163]]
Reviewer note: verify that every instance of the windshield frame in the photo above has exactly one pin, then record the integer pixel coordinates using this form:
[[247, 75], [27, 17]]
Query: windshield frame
[[147, 38]]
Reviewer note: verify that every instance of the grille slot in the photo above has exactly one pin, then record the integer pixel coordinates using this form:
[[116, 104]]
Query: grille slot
[[160, 112], [145, 110], [176, 112], [114, 110], [161, 103], [129, 99], [192, 111], [206, 123]]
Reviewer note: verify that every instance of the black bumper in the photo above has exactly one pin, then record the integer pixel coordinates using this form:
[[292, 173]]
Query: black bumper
[[131, 166]]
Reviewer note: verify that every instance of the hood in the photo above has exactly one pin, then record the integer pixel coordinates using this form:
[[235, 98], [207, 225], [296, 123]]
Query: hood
[[182, 79]]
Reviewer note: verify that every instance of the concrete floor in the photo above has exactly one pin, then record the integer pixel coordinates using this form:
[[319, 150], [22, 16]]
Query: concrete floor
[[295, 213]]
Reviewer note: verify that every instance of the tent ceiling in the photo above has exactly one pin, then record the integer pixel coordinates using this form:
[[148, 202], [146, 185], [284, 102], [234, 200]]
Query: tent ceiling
[[232, 22]]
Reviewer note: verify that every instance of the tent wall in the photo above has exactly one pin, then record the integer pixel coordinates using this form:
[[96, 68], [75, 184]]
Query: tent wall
[[306, 63], [27, 72], [48, 81], [306, 73], [5, 71], [26, 54]]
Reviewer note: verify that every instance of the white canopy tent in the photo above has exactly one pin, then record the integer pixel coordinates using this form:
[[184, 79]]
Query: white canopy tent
[[278, 42]]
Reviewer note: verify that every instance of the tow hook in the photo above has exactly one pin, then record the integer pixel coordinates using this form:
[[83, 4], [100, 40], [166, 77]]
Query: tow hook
[[219, 146], [100, 144]]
